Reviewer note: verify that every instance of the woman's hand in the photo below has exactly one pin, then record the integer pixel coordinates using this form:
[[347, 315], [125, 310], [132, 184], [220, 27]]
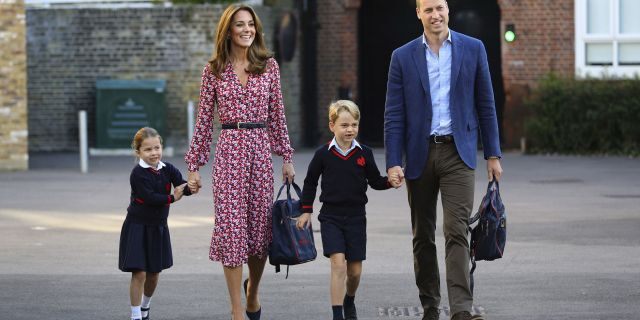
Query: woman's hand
[[303, 221], [288, 173], [193, 181]]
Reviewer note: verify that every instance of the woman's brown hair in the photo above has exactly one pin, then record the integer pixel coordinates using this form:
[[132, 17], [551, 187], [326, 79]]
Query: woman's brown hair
[[258, 54]]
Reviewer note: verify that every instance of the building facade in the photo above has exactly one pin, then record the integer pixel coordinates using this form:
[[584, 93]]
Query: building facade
[[336, 49], [69, 49], [13, 86], [582, 38]]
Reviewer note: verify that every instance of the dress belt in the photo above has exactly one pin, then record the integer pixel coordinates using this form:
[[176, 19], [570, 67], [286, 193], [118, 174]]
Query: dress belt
[[243, 125], [441, 139]]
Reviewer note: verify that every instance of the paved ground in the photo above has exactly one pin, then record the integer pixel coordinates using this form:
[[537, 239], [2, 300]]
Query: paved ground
[[573, 247]]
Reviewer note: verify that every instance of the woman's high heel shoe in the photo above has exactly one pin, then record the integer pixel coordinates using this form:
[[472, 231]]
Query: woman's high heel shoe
[[251, 315]]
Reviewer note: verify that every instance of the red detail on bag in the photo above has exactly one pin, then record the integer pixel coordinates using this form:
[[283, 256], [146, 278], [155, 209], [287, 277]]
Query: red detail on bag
[[138, 200], [361, 161]]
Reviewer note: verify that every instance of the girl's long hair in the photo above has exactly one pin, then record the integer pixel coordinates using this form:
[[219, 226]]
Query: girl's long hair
[[258, 54]]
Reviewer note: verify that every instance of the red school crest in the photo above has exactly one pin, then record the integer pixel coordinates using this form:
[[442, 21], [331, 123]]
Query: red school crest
[[361, 161]]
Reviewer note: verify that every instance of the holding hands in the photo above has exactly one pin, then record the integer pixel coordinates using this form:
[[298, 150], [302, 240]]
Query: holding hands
[[178, 192], [193, 181], [396, 176]]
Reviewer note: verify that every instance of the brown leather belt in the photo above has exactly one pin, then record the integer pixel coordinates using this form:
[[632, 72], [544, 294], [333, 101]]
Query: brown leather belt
[[441, 139], [244, 125]]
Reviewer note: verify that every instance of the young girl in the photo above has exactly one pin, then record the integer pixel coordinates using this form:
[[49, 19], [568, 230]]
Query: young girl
[[145, 246]]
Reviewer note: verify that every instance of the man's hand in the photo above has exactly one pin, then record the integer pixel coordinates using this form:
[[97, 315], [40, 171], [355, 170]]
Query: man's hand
[[494, 169], [396, 176]]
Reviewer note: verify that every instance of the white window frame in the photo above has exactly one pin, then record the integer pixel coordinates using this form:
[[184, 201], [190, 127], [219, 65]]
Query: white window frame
[[62, 4], [614, 37]]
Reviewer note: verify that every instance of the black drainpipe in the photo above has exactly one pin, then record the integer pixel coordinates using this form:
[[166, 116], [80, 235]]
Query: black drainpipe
[[308, 13]]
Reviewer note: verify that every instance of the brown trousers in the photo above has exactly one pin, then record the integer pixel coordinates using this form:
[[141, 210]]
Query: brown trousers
[[446, 173]]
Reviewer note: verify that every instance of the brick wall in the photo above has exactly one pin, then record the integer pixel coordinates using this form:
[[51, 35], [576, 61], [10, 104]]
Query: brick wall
[[337, 55], [13, 86], [291, 77], [69, 49], [545, 43]]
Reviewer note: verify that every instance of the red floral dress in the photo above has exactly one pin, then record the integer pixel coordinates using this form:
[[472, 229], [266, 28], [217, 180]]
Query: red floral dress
[[243, 170]]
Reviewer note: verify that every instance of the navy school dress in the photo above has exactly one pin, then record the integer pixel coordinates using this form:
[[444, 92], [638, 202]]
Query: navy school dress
[[145, 244]]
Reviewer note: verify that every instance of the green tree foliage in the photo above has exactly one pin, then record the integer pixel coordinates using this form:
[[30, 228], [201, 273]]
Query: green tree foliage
[[573, 116]]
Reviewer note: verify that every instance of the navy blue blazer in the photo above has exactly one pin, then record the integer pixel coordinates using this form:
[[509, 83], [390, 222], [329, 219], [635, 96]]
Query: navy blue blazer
[[408, 109]]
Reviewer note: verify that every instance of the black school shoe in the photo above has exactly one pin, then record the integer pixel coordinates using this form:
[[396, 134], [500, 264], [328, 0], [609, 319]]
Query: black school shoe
[[464, 315], [148, 313], [349, 310]]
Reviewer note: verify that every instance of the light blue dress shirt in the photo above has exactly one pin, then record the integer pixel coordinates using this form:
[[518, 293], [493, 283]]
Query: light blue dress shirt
[[334, 143], [439, 68]]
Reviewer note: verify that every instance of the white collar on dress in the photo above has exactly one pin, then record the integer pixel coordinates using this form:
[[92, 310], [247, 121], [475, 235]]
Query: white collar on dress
[[146, 165]]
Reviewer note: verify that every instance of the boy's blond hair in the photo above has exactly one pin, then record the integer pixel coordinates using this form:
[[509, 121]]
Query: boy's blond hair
[[343, 105]]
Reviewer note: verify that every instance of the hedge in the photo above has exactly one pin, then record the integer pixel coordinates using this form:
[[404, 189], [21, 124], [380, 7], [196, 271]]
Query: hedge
[[574, 116]]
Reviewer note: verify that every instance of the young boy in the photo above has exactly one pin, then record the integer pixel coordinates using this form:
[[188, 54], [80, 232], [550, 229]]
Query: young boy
[[346, 167]]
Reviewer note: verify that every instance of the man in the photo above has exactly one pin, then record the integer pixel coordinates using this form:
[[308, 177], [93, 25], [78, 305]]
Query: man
[[438, 95]]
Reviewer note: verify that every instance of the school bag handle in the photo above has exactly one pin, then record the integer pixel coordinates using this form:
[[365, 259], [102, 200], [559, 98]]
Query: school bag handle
[[297, 190]]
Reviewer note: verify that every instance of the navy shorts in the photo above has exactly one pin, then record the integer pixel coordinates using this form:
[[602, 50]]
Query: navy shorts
[[344, 234]]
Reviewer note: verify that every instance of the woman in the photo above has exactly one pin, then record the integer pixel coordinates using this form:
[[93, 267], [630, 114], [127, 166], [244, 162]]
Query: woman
[[243, 80]]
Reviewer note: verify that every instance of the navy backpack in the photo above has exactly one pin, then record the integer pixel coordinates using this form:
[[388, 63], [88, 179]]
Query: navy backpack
[[489, 236], [290, 246]]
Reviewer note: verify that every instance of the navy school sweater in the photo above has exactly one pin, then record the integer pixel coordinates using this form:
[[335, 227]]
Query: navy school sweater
[[151, 193], [344, 180]]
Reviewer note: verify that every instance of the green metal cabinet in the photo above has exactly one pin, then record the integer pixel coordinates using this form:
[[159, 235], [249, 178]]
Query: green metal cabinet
[[124, 106]]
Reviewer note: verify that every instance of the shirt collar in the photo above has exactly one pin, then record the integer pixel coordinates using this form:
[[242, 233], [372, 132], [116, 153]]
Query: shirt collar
[[424, 39], [334, 143], [146, 165]]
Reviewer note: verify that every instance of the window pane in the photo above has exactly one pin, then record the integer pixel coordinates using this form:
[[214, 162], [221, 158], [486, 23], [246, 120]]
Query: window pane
[[598, 16], [629, 53], [629, 22], [599, 54]]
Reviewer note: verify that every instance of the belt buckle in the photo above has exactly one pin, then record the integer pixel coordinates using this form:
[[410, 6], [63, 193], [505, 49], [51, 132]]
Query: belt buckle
[[435, 139], [238, 125]]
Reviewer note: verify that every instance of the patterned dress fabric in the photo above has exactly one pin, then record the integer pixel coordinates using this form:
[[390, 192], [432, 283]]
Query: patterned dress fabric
[[243, 170]]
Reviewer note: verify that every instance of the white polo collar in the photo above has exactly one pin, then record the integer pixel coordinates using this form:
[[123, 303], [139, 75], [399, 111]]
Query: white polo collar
[[146, 165]]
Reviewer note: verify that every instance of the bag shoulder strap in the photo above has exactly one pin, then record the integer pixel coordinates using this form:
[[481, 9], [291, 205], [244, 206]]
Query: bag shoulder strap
[[278, 270]]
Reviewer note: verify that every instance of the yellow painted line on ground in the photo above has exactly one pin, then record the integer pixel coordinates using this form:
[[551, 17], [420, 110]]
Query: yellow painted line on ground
[[95, 222]]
